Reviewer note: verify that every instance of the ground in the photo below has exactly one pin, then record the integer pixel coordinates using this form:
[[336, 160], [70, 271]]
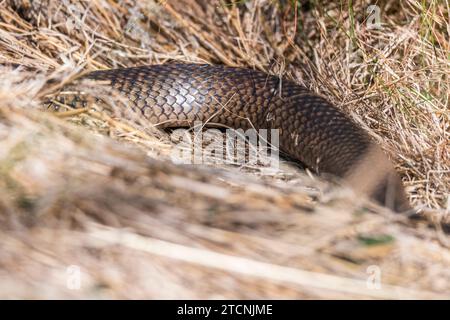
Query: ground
[[92, 205]]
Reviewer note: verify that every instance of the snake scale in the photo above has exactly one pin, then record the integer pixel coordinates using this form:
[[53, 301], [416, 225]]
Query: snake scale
[[311, 129]]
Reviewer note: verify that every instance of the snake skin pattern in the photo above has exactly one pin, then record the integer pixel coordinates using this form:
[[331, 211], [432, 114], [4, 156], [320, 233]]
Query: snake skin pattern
[[312, 130]]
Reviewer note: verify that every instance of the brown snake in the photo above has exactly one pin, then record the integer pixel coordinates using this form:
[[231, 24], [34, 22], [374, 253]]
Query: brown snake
[[312, 130]]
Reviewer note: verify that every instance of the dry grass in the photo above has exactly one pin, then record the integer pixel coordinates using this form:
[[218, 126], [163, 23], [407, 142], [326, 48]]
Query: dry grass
[[139, 226]]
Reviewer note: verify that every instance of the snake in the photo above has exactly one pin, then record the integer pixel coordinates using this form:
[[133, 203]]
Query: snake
[[312, 130]]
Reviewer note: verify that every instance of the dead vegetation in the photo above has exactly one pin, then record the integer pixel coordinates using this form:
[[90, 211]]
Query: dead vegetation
[[97, 193]]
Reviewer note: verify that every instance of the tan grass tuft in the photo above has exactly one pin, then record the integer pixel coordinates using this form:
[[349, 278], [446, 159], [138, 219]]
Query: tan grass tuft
[[92, 191]]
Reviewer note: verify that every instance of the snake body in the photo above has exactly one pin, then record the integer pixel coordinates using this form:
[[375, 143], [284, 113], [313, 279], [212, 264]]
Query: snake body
[[311, 129]]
